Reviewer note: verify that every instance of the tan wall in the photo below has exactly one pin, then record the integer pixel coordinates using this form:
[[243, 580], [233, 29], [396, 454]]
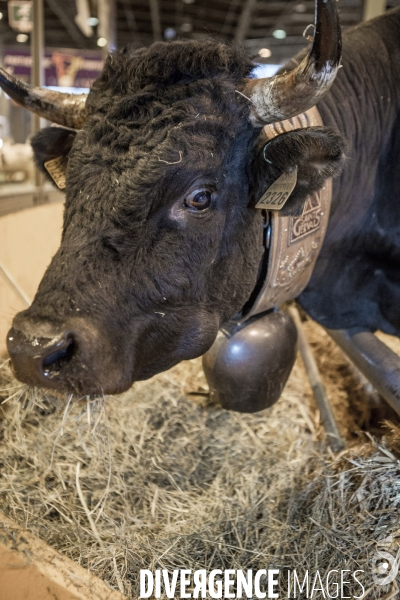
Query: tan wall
[[28, 240]]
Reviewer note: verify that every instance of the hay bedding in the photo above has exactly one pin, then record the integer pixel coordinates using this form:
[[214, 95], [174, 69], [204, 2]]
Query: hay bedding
[[155, 479]]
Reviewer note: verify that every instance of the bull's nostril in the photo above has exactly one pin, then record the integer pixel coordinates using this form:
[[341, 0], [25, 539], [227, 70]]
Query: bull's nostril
[[58, 359]]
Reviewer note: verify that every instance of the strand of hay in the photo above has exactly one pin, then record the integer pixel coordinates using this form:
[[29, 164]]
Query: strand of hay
[[167, 482]]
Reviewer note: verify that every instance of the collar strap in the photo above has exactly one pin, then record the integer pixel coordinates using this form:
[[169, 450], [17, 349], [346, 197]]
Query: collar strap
[[295, 241]]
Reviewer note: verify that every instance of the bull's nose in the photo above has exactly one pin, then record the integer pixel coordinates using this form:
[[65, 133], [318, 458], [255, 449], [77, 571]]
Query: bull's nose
[[76, 356], [60, 354], [39, 360]]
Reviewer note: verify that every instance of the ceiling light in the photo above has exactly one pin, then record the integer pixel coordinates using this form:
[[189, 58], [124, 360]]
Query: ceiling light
[[189, 1], [301, 8], [1, 15], [265, 52], [93, 21], [186, 27], [170, 33], [102, 42], [279, 34], [22, 37]]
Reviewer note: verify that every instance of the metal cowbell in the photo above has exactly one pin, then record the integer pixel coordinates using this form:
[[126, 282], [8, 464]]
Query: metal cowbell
[[248, 365]]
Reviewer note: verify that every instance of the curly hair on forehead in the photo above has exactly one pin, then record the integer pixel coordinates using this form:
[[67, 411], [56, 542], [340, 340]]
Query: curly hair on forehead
[[143, 94], [168, 63], [145, 72]]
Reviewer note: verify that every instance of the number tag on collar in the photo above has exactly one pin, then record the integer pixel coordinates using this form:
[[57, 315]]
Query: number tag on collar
[[278, 193], [56, 168]]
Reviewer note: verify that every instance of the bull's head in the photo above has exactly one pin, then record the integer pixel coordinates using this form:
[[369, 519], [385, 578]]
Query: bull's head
[[161, 242]]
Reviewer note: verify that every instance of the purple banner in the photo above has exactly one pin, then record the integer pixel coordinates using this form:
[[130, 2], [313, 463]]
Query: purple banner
[[64, 68]]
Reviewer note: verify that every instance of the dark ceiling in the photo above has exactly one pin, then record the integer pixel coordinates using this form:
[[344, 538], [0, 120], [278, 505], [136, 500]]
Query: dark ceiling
[[142, 21]]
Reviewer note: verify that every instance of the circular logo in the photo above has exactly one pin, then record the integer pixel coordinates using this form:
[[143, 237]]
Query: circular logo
[[384, 568]]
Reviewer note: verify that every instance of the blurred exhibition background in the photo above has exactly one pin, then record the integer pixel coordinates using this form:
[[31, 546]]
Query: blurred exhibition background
[[75, 34]]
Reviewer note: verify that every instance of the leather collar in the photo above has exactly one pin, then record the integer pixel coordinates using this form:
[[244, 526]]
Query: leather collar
[[293, 243]]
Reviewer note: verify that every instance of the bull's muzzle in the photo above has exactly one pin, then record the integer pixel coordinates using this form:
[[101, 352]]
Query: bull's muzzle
[[71, 358]]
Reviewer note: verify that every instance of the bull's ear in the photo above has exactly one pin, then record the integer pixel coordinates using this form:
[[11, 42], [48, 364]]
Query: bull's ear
[[50, 144], [317, 152]]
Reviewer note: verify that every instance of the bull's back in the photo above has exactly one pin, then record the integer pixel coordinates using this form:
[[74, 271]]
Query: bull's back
[[362, 246], [363, 104]]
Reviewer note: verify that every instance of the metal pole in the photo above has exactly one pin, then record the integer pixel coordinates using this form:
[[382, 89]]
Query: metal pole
[[4, 103], [328, 418], [244, 22], [37, 72], [155, 20], [379, 364], [14, 285], [37, 53], [373, 8], [112, 27], [107, 26]]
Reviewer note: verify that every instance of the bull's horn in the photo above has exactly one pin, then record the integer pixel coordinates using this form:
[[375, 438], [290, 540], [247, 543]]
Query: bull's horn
[[293, 92], [61, 108]]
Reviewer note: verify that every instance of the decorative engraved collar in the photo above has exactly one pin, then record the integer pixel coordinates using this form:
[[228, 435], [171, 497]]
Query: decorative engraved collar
[[295, 242]]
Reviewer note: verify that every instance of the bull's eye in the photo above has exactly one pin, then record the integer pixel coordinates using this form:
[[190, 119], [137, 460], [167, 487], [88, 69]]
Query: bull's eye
[[198, 199]]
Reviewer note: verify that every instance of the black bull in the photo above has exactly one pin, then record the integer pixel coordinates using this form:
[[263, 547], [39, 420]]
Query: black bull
[[161, 241]]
